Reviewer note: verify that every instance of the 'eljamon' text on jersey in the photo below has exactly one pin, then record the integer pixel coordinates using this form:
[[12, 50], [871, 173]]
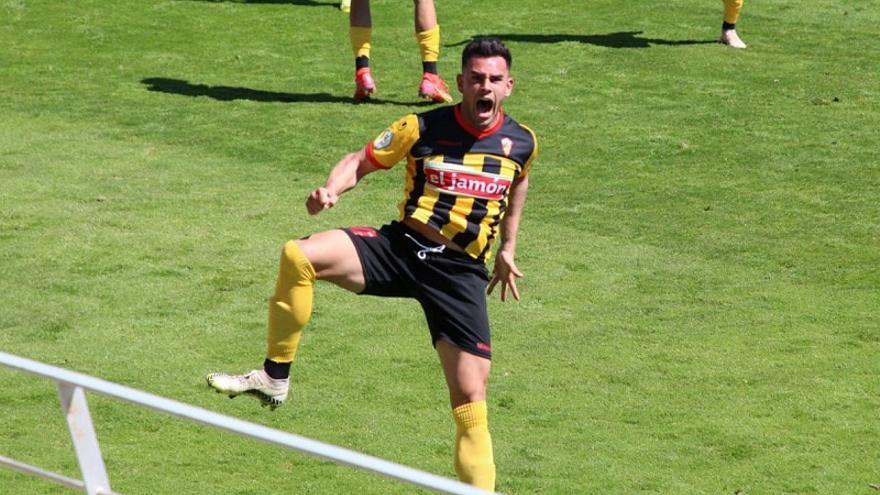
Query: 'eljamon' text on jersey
[[457, 178]]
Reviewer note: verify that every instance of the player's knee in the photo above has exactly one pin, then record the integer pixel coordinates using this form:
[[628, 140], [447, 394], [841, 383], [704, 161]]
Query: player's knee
[[472, 397], [294, 263], [467, 393]]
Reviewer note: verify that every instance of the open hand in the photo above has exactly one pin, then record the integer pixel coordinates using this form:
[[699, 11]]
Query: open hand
[[505, 271]]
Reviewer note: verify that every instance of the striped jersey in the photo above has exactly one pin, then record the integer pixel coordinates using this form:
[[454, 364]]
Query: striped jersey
[[457, 178]]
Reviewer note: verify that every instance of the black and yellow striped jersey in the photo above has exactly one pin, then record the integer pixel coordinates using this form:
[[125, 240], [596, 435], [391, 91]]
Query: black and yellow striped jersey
[[457, 178]]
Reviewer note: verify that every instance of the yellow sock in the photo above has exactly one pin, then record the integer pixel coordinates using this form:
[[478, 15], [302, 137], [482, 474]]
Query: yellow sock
[[360, 40], [429, 44], [731, 10], [474, 462], [291, 306]]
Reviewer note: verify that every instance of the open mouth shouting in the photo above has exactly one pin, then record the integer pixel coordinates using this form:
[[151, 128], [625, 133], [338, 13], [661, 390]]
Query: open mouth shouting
[[485, 110]]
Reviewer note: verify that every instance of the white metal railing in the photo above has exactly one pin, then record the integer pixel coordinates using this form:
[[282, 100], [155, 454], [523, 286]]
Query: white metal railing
[[71, 390]]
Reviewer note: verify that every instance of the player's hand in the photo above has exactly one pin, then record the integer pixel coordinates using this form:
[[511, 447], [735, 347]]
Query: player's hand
[[505, 271], [320, 200]]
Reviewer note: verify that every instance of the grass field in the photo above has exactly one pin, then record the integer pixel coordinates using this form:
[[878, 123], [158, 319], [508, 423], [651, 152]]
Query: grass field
[[701, 243]]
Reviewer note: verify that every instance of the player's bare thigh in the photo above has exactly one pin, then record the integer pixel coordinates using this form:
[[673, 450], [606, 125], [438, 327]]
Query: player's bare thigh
[[335, 259], [466, 374]]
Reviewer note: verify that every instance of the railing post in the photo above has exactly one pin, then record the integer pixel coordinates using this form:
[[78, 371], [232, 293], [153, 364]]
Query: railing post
[[85, 441]]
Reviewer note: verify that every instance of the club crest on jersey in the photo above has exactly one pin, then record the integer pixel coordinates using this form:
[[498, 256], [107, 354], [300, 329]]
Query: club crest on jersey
[[383, 140], [461, 181], [506, 146]]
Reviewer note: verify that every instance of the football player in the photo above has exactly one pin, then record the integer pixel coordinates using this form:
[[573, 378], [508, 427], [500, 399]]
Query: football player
[[467, 174]]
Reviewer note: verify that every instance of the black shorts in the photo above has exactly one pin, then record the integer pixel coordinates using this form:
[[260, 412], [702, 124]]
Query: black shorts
[[450, 285]]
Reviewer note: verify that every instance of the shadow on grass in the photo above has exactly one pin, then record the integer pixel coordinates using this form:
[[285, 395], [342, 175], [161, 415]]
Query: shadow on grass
[[622, 39], [304, 3], [231, 93]]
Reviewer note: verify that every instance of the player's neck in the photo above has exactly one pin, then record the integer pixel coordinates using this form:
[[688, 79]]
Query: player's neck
[[475, 128]]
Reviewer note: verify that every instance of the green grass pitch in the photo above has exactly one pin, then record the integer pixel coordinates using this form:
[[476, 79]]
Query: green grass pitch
[[701, 243]]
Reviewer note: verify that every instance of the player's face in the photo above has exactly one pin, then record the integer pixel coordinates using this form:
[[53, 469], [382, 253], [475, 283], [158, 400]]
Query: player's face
[[484, 83]]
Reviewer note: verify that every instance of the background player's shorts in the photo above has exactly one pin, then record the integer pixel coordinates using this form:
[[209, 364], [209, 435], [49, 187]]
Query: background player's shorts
[[450, 285]]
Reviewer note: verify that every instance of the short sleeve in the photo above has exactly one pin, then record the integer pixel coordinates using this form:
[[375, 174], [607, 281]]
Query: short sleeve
[[394, 143], [527, 166]]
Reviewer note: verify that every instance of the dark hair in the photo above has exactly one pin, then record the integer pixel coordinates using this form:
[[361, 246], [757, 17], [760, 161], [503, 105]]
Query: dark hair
[[486, 47]]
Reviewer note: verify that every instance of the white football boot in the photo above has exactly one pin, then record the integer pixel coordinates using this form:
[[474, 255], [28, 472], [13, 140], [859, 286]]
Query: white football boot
[[270, 391], [731, 39]]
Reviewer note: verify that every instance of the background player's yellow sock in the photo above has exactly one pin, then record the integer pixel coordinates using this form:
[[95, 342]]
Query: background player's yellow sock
[[429, 44], [360, 41], [474, 462], [731, 10], [291, 306]]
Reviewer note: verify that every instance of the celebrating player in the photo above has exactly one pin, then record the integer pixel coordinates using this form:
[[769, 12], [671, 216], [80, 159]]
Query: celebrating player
[[467, 174], [432, 86], [728, 27]]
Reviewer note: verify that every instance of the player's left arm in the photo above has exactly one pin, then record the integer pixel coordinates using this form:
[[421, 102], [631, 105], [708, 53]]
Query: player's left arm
[[505, 270]]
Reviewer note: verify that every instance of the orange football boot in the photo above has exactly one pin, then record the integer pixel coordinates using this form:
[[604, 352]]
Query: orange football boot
[[433, 88]]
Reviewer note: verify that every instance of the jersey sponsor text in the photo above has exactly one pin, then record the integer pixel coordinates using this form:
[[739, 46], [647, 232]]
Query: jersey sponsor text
[[461, 182]]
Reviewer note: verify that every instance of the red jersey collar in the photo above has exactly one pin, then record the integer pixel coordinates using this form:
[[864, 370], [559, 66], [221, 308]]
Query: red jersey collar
[[476, 132]]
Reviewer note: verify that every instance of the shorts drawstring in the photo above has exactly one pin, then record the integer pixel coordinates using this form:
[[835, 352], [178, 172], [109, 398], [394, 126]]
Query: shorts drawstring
[[423, 253]]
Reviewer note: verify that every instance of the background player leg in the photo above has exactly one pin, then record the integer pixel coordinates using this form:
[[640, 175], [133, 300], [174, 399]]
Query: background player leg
[[360, 32], [728, 27], [432, 86], [467, 376]]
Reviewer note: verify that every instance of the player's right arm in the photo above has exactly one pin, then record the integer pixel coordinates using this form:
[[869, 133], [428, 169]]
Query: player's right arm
[[344, 176], [387, 149]]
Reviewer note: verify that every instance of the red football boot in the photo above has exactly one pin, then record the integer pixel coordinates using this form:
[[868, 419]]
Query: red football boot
[[364, 84]]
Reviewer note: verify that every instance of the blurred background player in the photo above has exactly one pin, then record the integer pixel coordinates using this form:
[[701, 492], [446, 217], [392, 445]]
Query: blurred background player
[[728, 27], [345, 6], [432, 87]]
